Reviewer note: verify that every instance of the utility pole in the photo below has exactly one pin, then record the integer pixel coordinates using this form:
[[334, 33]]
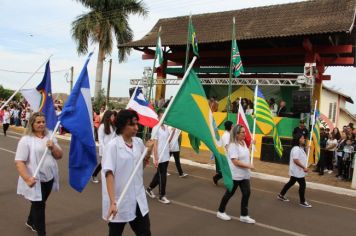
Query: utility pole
[[71, 79], [108, 88]]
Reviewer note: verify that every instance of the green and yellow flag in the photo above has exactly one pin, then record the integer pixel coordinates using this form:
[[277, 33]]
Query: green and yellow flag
[[191, 113], [316, 136], [263, 114]]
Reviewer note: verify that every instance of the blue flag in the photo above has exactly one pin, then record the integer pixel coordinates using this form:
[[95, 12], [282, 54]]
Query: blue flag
[[46, 105], [77, 118]]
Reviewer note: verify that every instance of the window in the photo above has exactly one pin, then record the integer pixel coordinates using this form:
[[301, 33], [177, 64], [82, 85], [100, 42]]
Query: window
[[330, 110], [334, 112]]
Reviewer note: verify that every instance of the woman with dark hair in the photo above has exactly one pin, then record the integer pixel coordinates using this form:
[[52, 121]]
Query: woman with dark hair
[[106, 133], [331, 146], [121, 155], [28, 154], [240, 165], [337, 134], [297, 170]]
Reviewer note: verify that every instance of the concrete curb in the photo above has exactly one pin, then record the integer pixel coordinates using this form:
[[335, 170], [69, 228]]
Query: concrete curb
[[311, 185]]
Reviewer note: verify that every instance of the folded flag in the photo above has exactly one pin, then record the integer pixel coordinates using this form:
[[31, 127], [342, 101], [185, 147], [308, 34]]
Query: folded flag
[[77, 118], [40, 99], [316, 136], [146, 113]]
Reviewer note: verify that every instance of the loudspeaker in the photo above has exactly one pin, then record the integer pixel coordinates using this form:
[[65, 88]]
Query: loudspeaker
[[269, 154], [301, 101]]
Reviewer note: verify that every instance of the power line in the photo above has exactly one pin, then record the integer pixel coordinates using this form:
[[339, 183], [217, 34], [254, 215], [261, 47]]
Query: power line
[[28, 72]]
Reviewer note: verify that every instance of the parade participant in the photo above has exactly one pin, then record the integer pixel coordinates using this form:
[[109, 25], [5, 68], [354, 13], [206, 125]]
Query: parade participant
[[225, 138], [174, 149], [121, 155], [297, 170], [160, 152], [6, 120], [240, 166], [29, 152], [106, 133]]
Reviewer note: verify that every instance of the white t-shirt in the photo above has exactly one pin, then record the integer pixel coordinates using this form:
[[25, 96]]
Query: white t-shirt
[[30, 150], [331, 142], [162, 138], [174, 144], [104, 138], [225, 138], [297, 153], [241, 153], [6, 119], [121, 160]]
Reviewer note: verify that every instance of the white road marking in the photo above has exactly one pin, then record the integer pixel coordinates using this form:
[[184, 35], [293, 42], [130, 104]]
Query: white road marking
[[270, 227], [6, 150]]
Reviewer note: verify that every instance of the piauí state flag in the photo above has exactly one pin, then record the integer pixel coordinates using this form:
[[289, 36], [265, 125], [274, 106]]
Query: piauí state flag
[[146, 113], [77, 118], [40, 99], [264, 114], [241, 120], [191, 113], [316, 136]]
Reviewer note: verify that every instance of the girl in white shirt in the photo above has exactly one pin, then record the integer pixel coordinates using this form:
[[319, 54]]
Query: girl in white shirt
[[240, 166], [28, 154], [106, 132], [297, 170], [121, 155], [161, 160], [331, 146], [174, 149]]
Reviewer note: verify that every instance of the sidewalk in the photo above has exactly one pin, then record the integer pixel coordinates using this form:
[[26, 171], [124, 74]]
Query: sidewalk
[[261, 167]]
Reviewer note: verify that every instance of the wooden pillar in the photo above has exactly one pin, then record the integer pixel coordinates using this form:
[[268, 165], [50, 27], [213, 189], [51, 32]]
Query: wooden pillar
[[161, 74], [318, 87]]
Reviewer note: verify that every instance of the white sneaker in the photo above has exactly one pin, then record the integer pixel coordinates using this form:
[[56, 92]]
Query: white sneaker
[[168, 174], [94, 180], [330, 171], [150, 193], [164, 200], [247, 219], [183, 175], [223, 216], [305, 204]]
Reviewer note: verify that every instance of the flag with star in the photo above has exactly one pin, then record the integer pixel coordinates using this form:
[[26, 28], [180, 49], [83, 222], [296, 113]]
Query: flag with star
[[193, 37], [40, 99]]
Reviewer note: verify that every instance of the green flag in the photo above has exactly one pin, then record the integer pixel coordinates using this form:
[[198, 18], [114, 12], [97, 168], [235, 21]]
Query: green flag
[[263, 114], [191, 113], [159, 51], [237, 67], [193, 37]]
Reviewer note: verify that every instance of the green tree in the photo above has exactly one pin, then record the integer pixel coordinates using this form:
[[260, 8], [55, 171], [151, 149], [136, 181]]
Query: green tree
[[6, 93], [105, 20]]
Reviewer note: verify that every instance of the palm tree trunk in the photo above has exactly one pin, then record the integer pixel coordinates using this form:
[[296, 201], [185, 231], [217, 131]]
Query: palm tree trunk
[[99, 72]]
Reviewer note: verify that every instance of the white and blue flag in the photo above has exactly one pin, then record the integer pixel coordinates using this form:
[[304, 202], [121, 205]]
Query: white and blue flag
[[77, 118]]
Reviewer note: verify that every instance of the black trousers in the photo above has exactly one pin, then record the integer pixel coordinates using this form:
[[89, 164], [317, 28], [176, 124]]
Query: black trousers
[[321, 163], [302, 186], [97, 170], [340, 166], [218, 174], [329, 160], [245, 190], [140, 225], [37, 216], [176, 156], [5, 127], [160, 178]]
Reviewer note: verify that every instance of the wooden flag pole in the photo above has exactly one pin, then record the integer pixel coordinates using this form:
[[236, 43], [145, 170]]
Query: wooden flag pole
[[33, 74], [129, 181]]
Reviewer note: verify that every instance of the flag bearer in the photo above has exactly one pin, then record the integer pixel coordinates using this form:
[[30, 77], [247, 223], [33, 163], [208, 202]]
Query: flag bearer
[[121, 156], [240, 165]]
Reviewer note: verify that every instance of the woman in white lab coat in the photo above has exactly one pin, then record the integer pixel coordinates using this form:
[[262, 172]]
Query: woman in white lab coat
[[120, 158], [28, 154]]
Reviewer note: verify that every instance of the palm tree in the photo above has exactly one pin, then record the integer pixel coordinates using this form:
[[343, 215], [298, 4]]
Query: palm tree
[[105, 20]]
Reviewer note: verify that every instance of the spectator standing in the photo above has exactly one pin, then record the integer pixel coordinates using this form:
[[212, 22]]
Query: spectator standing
[[331, 146], [282, 109], [273, 106]]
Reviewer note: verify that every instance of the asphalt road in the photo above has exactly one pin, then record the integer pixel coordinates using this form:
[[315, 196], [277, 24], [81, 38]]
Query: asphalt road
[[193, 210]]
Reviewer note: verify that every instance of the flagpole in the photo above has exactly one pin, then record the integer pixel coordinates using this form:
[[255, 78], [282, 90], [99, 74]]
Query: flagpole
[[254, 123], [188, 46], [228, 107], [118, 202], [33, 74], [311, 133], [46, 150]]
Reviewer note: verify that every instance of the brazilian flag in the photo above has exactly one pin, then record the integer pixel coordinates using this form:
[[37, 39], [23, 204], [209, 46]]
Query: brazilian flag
[[191, 113]]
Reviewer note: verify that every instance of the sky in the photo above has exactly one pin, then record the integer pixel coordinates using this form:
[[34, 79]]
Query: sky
[[30, 31]]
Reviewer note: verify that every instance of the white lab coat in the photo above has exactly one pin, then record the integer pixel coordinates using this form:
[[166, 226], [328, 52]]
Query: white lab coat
[[104, 138], [121, 160]]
